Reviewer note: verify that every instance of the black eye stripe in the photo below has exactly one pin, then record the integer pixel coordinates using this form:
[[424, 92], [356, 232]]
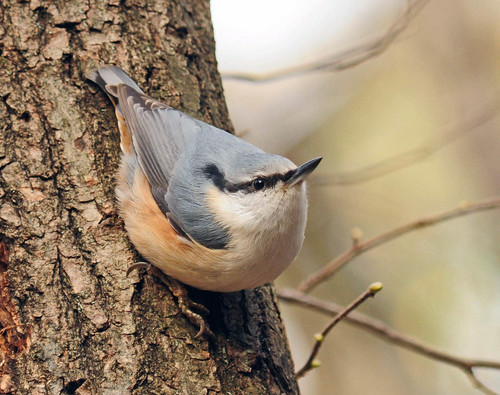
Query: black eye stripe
[[265, 182], [212, 172]]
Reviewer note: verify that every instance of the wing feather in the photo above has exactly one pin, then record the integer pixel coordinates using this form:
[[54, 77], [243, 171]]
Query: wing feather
[[159, 134], [160, 138]]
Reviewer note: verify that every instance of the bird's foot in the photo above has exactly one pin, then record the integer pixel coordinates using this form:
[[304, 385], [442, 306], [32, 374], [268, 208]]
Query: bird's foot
[[137, 266], [180, 292]]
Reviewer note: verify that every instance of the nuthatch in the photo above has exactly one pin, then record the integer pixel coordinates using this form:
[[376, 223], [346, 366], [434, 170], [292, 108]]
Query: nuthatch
[[203, 206]]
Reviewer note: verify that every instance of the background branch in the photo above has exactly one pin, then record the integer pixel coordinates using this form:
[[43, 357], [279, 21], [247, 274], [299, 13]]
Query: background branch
[[320, 337], [390, 335], [415, 155], [359, 247], [343, 60]]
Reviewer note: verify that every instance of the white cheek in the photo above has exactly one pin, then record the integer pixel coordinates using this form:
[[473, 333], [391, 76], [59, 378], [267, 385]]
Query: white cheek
[[273, 211], [233, 211], [245, 211]]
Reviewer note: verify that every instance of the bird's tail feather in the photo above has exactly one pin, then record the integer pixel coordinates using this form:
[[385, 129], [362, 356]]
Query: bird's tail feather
[[109, 77]]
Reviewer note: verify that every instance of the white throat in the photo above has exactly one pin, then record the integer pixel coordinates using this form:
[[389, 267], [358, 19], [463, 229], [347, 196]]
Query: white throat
[[266, 230]]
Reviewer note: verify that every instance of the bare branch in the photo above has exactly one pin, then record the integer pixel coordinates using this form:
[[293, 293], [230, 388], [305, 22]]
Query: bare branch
[[320, 337], [477, 383], [410, 157], [390, 335], [343, 60], [359, 247]]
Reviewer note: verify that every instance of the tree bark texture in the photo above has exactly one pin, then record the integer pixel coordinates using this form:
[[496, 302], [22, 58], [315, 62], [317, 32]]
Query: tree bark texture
[[70, 320]]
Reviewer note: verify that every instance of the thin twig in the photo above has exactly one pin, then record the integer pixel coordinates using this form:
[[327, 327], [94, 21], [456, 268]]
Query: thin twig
[[390, 335], [358, 247], [410, 157], [320, 337], [345, 59]]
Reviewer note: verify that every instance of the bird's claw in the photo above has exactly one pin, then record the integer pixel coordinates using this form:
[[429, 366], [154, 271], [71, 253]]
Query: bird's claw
[[180, 292], [137, 266], [186, 305]]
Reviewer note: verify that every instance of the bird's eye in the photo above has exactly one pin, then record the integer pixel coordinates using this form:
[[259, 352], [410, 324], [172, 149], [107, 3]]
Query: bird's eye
[[258, 184]]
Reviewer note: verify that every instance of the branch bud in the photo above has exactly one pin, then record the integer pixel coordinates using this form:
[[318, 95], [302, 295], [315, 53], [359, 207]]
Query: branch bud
[[319, 337], [376, 287], [315, 363], [356, 235]]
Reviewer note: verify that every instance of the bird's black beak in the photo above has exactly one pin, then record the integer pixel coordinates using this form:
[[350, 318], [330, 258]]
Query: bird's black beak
[[301, 172]]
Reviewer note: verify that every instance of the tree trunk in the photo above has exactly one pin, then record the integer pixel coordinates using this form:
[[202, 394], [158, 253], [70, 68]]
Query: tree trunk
[[72, 322]]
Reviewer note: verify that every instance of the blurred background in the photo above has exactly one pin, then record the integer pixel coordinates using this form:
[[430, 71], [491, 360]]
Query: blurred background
[[434, 89]]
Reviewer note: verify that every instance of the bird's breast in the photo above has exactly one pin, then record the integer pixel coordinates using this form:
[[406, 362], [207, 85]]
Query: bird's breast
[[265, 235], [261, 246]]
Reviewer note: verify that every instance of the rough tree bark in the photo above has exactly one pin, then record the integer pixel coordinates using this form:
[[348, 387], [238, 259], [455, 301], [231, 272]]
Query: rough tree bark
[[70, 321]]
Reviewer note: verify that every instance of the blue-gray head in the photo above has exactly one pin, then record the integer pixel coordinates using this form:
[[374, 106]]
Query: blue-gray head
[[225, 190]]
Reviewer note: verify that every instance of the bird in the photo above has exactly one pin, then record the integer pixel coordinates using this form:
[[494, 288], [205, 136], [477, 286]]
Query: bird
[[204, 207]]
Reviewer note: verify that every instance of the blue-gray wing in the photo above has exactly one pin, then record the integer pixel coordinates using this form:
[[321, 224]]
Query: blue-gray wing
[[162, 144], [159, 135]]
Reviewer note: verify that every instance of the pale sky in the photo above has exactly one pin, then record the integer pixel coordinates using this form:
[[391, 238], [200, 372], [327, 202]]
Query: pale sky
[[262, 35]]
